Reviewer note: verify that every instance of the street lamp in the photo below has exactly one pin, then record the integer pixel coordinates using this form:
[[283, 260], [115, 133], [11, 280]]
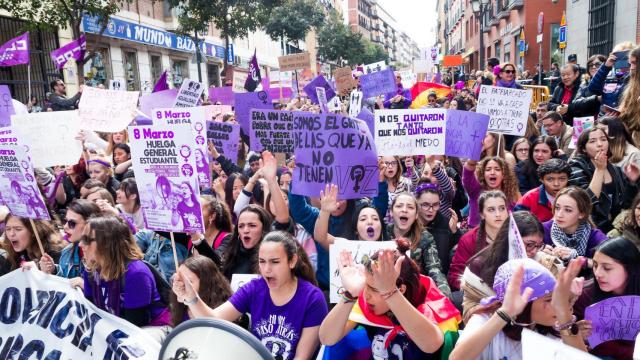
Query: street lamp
[[479, 8]]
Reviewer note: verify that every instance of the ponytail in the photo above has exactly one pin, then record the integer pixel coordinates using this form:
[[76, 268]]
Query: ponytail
[[303, 268]]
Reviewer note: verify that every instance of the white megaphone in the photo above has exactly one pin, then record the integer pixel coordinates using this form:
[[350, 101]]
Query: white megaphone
[[212, 339]]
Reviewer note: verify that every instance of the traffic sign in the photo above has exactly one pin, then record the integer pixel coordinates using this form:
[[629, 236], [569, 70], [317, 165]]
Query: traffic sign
[[562, 38], [539, 38], [523, 47], [540, 22]]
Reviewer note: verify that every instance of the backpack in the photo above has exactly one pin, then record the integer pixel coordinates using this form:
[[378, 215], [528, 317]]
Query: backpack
[[162, 285]]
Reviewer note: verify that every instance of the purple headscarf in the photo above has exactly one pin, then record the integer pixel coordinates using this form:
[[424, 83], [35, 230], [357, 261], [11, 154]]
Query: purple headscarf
[[536, 277]]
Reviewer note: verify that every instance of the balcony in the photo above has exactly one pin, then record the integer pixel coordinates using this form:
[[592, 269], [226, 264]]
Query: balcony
[[515, 4], [374, 14]]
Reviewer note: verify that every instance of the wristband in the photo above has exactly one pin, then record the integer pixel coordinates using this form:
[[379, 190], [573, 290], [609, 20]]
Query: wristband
[[389, 294], [199, 241], [504, 316], [565, 326], [192, 301], [346, 295]]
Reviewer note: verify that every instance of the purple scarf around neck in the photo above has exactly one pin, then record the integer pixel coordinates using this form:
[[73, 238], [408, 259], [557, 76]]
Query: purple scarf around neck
[[505, 84], [113, 290]]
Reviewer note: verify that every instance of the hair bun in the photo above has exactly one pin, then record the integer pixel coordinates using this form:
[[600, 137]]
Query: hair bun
[[403, 245]]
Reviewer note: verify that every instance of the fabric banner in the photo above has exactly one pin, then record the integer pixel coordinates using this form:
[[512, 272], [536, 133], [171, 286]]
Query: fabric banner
[[465, 132], [15, 51], [107, 110], [508, 109], [615, 318], [319, 81], [272, 130], [73, 50], [33, 129], [247, 101], [18, 185], [225, 137], [378, 83], [334, 149], [194, 116], [6, 106], [189, 94], [164, 162], [410, 132], [48, 319]]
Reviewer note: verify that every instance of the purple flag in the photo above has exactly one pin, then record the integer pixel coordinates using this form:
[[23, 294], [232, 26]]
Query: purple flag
[[319, 81], [254, 77], [15, 51], [73, 50], [161, 84]]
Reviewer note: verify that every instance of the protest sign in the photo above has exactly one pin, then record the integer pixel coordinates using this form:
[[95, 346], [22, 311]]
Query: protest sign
[[247, 101], [46, 318], [294, 61], [361, 251], [334, 149], [239, 79], [164, 161], [6, 106], [225, 137], [216, 112], [272, 130], [422, 66], [335, 104], [117, 84], [615, 318], [344, 80], [321, 93], [465, 132], [580, 124], [508, 109], [194, 116], [409, 78], [375, 67], [378, 83], [18, 187], [7, 137], [319, 81], [61, 127], [107, 110], [410, 132], [189, 94], [159, 99], [536, 347], [368, 118], [224, 95], [355, 103], [239, 280]]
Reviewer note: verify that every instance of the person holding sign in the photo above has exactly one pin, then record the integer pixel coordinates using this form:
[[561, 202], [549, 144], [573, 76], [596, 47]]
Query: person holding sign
[[100, 169], [402, 311], [285, 305], [21, 244], [616, 272]]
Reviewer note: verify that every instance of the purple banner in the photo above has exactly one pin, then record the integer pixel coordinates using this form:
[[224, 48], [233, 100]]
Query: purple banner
[[335, 149], [225, 138], [319, 81], [6, 106], [73, 50], [368, 118], [15, 51], [615, 318], [222, 94], [272, 130], [465, 131], [247, 101], [378, 83], [160, 99]]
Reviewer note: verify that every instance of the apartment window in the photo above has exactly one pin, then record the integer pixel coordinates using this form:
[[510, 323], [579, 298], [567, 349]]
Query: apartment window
[[156, 67], [98, 70], [498, 50], [213, 74], [180, 70], [131, 75]]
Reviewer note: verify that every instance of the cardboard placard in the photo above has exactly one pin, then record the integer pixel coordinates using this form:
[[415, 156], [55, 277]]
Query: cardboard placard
[[294, 61]]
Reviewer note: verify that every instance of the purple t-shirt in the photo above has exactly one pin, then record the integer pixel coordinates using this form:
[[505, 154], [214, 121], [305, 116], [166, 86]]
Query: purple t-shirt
[[190, 215], [279, 327]]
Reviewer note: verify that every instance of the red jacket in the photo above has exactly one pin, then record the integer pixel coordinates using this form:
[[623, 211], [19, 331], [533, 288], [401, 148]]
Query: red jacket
[[467, 247], [536, 201]]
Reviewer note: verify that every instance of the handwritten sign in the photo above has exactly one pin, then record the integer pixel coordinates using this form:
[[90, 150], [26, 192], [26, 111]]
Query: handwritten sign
[[344, 80], [507, 108], [6, 106], [224, 95], [409, 78], [536, 347], [368, 118], [580, 124], [189, 94], [378, 83], [247, 101], [361, 251], [18, 185], [465, 132], [239, 79], [272, 130], [294, 61], [107, 110], [616, 318], [239, 280], [410, 132], [375, 67], [334, 149], [33, 129], [216, 112], [319, 81], [225, 137], [355, 103], [164, 162], [159, 99], [321, 93]]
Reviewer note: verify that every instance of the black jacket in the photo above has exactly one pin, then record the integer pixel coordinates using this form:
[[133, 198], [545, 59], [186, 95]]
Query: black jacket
[[62, 103], [578, 106], [445, 240]]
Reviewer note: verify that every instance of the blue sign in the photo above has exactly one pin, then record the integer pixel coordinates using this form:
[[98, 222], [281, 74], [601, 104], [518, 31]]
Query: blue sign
[[523, 46], [563, 34], [120, 29], [230, 54]]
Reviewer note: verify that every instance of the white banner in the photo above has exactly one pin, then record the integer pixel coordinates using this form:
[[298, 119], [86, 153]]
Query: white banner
[[49, 137], [239, 79], [536, 346], [507, 108], [107, 110], [189, 93], [409, 78], [410, 132], [43, 317]]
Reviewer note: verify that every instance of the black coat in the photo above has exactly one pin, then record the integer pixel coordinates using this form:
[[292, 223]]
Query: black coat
[[578, 106], [445, 240]]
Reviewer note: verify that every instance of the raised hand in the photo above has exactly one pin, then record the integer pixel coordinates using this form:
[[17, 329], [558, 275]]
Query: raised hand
[[269, 166], [352, 275], [329, 198], [182, 287], [453, 221], [565, 288], [385, 272]]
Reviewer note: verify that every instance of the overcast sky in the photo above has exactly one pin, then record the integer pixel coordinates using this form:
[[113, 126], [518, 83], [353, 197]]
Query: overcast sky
[[416, 17]]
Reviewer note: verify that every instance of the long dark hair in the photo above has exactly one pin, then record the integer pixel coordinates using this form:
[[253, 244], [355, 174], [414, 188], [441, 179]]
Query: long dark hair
[[231, 256], [619, 137], [626, 254], [356, 214], [50, 237], [529, 167], [121, 146], [228, 188], [630, 222], [222, 221], [130, 187], [214, 288], [303, 268], [84, 208], [115, 244], [583, 139]]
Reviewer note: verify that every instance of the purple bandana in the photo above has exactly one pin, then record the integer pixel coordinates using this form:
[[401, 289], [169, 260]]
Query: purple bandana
[[536, 277]]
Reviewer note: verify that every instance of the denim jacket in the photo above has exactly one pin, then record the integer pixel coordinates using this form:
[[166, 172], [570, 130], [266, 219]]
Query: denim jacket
[[157, 251], [70, 265]]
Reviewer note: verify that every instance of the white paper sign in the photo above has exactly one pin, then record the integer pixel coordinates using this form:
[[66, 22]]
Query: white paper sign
[[322, 99], [195, 116], [536, 347], [239, 280], [375, 67], [409, 78], [65, 325], [335, 104], [164, 162], [117, 84], [410, 132], [49, 137], [189, 93], [360, 252], [422, 66], [239, 79], [507, 108], [107, 110], [355, 103]]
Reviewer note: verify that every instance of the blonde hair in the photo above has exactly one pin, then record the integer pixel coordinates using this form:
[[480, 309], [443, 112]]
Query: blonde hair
[[111, 144], [630, 106]]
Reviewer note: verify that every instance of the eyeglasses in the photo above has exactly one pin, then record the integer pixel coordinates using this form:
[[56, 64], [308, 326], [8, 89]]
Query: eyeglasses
[[595, 65], [509, 71], [533, 246], [523, 150], [86, 240], [70, 223], [430, 207], [391, 163]]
